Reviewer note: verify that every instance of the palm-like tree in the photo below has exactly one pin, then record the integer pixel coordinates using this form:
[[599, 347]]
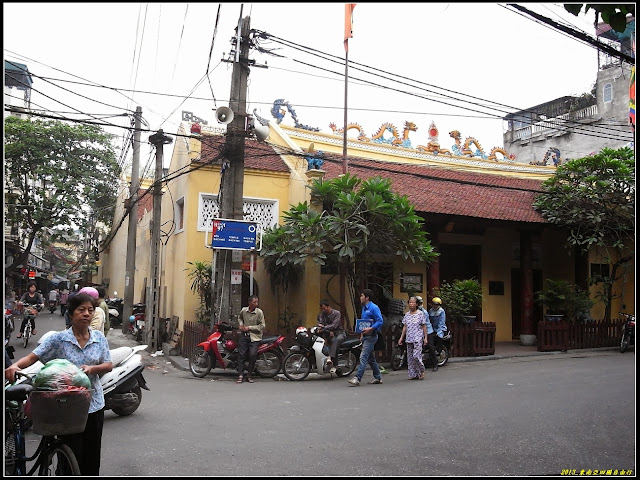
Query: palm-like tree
[[200, 276], [359, 221]]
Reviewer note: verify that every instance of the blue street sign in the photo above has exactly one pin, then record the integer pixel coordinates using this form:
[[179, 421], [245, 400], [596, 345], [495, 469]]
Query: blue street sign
[[234, 234]]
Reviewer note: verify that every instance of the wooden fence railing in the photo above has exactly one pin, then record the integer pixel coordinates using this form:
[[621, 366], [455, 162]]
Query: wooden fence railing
[[563, 335]]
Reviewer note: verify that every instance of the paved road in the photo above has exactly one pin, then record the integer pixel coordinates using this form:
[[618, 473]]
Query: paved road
[[533, 415]]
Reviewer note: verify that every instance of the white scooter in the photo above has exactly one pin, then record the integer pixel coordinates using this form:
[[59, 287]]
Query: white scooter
[[121, 386], [311, 354]]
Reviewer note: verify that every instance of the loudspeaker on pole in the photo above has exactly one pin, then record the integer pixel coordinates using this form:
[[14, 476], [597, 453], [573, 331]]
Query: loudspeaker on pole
[[224, 115]]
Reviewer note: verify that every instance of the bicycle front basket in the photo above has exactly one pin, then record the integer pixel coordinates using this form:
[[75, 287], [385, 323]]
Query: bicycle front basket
[[60, 412]]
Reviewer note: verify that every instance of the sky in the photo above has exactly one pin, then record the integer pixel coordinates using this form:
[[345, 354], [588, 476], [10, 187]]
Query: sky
[[444, 63]]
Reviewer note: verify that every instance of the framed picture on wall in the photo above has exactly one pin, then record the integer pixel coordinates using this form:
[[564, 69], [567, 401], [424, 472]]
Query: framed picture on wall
[[410, 282]]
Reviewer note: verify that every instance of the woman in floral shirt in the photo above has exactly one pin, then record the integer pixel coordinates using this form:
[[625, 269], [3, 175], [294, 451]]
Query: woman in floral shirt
[[87, 349], [414, 330]]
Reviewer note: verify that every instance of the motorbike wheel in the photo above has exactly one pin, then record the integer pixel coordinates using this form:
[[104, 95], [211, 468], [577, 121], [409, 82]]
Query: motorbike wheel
[[624, 343], [268, 364], [124, 411], [296, 366], [397, 359], [443, 356], [347, 363], [200, 362]]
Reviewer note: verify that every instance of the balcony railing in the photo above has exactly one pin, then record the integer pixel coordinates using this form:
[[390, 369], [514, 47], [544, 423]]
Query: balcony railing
[[560, 123]]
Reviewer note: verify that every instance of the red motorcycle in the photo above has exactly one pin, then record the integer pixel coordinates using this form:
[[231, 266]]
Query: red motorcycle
[[216, 351]]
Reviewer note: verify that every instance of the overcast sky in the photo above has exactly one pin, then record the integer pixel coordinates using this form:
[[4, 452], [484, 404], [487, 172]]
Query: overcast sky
[[157, 55]]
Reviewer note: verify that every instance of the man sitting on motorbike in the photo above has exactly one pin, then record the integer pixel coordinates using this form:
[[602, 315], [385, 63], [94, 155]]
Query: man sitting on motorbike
[[330, 322], [34, 300]]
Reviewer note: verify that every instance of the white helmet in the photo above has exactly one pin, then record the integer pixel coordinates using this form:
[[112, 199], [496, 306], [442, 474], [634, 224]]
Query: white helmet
[[419, 299], [301, 330]]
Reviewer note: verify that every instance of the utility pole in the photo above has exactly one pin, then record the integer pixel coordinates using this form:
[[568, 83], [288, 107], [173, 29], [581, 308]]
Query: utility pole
[[153, 304], [227, 295], [132, 205]]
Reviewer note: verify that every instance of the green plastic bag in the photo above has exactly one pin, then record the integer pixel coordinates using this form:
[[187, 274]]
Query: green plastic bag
[[59, 374]]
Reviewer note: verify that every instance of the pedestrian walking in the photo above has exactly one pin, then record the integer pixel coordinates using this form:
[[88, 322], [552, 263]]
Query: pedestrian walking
[[369, 336], [414, 334]]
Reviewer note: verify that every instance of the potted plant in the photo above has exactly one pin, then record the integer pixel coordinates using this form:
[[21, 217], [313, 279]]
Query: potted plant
[[461, 299], [563, 299]]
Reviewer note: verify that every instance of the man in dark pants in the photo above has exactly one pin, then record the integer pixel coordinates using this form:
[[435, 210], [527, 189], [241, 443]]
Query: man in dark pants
[[252, 324]]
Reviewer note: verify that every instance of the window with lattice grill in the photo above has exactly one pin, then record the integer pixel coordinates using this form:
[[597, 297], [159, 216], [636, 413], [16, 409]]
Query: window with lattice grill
[[262, 211]]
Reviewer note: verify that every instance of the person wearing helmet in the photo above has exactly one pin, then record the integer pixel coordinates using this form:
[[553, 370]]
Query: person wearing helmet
[[431, 336], [98, 319], [439, 323]]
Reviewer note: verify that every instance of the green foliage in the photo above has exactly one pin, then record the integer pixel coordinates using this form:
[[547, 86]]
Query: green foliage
[[200, 276], [359, 220], [615, 14], [563, 298], [594, 197], [53, 172], [460, 297]]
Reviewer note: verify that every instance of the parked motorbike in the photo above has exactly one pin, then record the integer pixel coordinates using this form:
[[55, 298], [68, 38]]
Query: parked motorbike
[[628, 331], [216, 351], [121, 386], [310, 354], [137, 320], [116, 307], [399, 355]]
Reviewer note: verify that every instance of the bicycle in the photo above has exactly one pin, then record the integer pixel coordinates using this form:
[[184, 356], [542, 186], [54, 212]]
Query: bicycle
[[30, 313], [52, 457]]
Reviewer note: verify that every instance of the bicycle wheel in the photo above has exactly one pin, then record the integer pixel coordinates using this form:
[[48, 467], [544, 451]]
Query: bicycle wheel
[[58, 461], [25, 335]]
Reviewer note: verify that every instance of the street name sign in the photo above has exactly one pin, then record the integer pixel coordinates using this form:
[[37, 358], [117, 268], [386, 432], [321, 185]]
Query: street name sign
[[234, 234]]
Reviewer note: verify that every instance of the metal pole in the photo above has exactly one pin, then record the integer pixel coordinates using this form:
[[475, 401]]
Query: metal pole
[[132, 204]]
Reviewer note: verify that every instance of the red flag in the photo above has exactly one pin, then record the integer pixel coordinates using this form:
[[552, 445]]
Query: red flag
[[348, 24]]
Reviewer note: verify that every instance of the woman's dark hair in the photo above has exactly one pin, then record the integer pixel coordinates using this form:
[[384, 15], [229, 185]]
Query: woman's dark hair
[[102, 292], [325, 302], [78, 299], [32, 284]]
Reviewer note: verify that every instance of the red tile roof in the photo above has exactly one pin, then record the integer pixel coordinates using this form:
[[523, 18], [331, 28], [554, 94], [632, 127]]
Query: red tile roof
[[440, 190], [430, 189]]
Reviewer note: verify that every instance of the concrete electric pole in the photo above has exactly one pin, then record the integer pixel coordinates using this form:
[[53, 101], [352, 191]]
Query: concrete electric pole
[[152, 324], [132, 205], [227, 294]]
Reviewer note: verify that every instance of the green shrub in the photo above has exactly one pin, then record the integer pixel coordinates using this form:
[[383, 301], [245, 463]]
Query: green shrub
[[460, 298]]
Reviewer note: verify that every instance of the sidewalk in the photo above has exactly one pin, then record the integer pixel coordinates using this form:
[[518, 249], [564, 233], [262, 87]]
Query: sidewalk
[[503, 350]]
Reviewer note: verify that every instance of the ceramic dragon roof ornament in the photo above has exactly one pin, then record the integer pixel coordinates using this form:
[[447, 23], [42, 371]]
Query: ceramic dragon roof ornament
[[278, 113]]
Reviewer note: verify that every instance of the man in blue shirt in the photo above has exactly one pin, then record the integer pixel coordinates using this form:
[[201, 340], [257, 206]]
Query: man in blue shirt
[[370, 311]]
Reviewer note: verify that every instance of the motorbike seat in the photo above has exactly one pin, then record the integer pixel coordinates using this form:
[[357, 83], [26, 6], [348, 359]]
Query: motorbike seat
[[269, 339], [119, 354], [350, 343]]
